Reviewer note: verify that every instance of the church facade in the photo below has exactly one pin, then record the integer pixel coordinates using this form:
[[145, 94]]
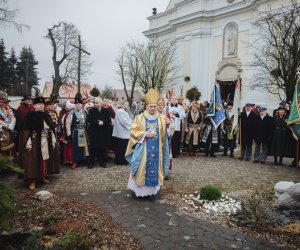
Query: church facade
[[212, 43]]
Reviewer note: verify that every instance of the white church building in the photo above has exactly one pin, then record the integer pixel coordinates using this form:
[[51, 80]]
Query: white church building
[[212, 41]]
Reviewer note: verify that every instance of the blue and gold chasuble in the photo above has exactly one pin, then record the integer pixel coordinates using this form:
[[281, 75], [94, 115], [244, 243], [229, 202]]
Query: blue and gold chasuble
[[149, 160], [152, 147]]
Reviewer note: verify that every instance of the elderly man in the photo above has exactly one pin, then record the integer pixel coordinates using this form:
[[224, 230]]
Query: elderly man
[[99, 132], [121, 132], [148, 149], [262, 135], [178, 114]]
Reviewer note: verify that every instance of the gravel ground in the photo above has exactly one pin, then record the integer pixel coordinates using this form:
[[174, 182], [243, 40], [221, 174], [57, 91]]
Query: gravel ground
[[288, 235], [59, 215]]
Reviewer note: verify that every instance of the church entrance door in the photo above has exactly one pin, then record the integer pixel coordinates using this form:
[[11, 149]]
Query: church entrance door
[[227, 89]]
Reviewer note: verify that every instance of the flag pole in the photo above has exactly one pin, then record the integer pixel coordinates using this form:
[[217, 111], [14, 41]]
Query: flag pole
[[297, 154]]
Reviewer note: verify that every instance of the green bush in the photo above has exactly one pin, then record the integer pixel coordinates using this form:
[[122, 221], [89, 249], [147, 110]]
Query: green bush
[[210, 192], [6, 192], [73, 240]]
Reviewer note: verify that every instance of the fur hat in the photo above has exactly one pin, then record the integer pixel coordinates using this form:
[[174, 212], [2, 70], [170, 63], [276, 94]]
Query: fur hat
[[39, 99], [3, 95], [70, 105], [196, 104]]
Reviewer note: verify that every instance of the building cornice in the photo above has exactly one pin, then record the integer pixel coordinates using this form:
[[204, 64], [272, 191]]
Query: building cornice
[[202, 15]]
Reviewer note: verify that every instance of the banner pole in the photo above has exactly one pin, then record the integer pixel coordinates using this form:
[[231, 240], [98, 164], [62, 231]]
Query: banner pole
[[297, 154]]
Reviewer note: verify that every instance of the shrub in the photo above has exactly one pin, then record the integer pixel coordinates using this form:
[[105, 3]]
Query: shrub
[[210, 193], [253, 212], [73, 240], [6, 193]]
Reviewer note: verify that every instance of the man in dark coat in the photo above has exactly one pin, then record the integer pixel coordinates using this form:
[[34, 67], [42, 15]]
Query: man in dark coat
[[262, 135], [283, 143], [99, 132], [37, 141], [247, 120]]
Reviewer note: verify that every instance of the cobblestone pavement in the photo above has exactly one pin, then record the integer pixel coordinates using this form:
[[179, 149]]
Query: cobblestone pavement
[[188, 173], [159, 226]]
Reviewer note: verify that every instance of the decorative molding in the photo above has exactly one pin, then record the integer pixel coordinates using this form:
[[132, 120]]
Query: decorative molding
[[201, 15]]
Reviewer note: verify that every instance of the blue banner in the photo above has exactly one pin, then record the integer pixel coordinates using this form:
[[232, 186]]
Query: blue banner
[[219, 115]]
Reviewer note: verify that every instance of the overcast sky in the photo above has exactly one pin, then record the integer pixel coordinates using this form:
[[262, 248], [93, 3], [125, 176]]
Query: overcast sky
[[105, 26]]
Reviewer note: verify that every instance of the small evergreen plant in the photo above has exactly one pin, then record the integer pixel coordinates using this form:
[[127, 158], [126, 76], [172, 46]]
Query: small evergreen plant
[[6, 193], [210, 192]]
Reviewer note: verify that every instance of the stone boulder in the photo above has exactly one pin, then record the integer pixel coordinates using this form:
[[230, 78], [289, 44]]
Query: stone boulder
[[291, 198], [282, 186], [294, 191], [43, 195]]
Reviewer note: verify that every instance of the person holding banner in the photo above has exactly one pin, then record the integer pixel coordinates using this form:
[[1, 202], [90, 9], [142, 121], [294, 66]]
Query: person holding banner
[[294, 120], [228, 131]]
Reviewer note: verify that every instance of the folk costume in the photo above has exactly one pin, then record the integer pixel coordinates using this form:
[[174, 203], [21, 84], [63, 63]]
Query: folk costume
[[247, 121], [99, 135], [7, 125], [66, 141], [37, 143], [50, 109], [229, 135], [76, 133], [149, 157], [24, 109], [193, 128], [210, 137], [262, 136]]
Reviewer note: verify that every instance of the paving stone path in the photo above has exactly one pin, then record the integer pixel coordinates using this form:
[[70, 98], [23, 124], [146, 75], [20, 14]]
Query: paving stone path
[[158, 225], [188, 173]]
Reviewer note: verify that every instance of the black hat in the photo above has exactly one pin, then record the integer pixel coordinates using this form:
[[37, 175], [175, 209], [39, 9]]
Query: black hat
[[39, 99], [281, 103], [262, 109], [78, 98], [281, 108], [26, 97], [248, 104]]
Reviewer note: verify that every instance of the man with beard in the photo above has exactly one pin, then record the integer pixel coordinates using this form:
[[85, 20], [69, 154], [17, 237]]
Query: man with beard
[[99, 132]]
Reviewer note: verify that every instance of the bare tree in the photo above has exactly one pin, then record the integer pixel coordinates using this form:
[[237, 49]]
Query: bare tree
[[64, 56], [147, 65], [82, 64], [277, 50], [129, 66], [157, 65], [7, 17]]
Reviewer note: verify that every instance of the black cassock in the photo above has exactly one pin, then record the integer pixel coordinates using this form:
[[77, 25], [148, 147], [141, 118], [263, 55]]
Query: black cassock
[[99, 136]]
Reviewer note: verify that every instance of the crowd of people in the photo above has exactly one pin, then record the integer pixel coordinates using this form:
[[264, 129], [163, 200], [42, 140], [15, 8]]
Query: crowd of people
[[42, 135]]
